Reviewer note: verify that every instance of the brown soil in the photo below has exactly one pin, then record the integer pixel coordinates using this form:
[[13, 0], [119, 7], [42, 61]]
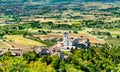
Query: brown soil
[[92, 39]]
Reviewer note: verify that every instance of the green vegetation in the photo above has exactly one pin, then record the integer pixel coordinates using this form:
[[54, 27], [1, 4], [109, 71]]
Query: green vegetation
[[114, 29]]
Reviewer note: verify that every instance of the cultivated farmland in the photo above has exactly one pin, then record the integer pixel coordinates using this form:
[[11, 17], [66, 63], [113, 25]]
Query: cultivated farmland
[[19, 41]]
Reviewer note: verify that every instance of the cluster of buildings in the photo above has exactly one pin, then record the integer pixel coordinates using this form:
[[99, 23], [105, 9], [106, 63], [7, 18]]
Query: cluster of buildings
[[74, 43], [66, 45]]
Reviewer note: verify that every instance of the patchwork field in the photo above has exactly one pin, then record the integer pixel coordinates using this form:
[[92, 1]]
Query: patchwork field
[[48, 20], [19, 42]]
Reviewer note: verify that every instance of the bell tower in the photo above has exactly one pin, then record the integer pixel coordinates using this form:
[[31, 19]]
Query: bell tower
[[65, 38]]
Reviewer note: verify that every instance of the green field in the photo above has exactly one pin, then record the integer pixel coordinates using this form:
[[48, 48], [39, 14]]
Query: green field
[[113, 41], [114, 29], [115, 35]]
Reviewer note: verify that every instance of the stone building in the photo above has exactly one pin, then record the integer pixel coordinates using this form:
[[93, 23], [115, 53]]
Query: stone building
[[41, 50], [83, 42], [67, 43], [61, 56]]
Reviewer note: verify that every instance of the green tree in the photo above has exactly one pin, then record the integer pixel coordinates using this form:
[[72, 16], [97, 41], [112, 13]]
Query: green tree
[[35, 24], [18, 20], [30, 56], [55, 62]]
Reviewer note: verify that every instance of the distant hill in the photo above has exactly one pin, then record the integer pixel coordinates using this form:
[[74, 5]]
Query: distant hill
[[99, 0], [87, 0], [56, 0]]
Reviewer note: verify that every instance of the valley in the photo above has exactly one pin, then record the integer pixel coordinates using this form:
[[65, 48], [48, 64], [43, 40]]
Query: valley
[[59, 36]]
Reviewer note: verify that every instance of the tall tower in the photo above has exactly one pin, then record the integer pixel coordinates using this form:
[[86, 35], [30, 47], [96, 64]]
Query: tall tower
[[65, 38]]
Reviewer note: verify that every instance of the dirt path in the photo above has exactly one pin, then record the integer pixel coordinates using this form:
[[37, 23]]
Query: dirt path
[[6, 43]]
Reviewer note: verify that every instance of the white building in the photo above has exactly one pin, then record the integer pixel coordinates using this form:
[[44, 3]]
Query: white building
[[67, 43]]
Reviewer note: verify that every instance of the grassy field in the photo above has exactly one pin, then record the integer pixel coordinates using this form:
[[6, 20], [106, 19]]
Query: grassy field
[[20, 42], [114, 31], [115, 35], [113, 41]]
